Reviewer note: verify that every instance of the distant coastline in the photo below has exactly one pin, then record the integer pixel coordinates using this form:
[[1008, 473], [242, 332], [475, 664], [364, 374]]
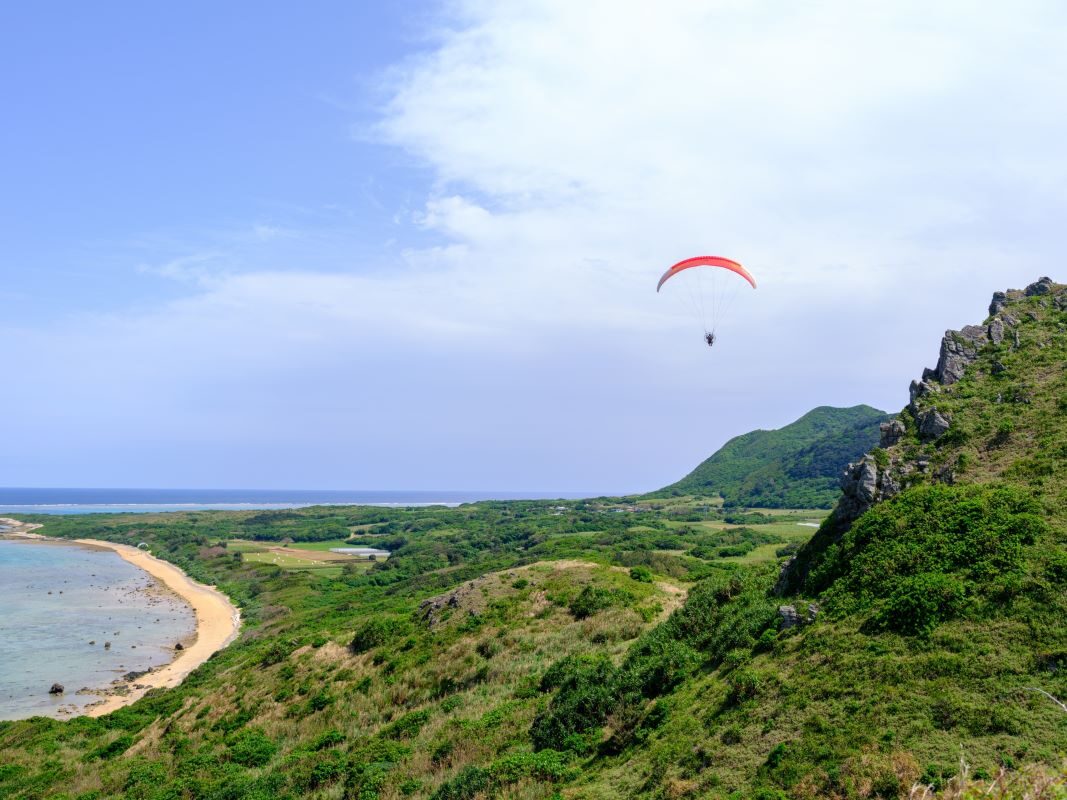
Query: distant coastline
[[127, 501], [218, 621]]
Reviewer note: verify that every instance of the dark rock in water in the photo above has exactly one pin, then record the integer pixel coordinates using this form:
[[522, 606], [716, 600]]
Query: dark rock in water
[[787, 618], [92, 641], [57, 688], [932, 424], [1040, 286], [179, 646], [107, 645], [134, 674]]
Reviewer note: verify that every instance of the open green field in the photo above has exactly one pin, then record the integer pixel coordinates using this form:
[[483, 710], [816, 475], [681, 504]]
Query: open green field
[[312, 557]]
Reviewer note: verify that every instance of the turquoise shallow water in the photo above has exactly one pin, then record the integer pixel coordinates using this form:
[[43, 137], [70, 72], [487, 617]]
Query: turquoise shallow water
[[57, 598]]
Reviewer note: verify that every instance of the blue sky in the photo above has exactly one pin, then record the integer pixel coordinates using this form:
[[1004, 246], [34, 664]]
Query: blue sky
[[137, 133], [355, 245]]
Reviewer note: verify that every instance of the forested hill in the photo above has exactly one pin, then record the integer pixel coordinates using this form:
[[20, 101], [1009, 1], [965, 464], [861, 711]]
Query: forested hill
[[797, 466]]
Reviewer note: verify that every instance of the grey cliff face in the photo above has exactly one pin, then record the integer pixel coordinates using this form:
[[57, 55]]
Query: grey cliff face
[[932, 424], [1000, 299], [918, 390], [995, 331], [1038, 287], [891, 432], [862, 485], [958, 350]]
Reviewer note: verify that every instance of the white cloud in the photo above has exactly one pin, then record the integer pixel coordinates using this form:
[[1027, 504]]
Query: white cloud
[[881, 167]]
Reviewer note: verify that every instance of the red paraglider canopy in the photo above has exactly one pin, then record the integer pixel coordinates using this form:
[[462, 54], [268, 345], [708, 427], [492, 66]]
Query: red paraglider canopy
[[707, 261]]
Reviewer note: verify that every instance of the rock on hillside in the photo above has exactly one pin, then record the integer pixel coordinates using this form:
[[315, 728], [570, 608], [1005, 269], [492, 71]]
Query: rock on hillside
[[916, 446]]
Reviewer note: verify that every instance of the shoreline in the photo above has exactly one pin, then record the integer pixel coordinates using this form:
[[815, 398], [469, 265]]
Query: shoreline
[[218, 621]]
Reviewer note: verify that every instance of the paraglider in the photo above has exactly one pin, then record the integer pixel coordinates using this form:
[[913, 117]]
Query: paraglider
[[717, 301]]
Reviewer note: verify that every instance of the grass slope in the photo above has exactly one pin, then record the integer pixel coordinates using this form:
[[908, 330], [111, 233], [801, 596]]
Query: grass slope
[[343, 684], [796, 466]]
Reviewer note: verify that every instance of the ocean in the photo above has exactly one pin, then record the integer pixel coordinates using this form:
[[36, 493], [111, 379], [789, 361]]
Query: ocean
[[124, 501], [62, 602]]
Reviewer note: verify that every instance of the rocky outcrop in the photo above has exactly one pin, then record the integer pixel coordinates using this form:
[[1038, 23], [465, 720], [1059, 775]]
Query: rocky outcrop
[[958, 350], [932, 424], [1039, 287], [995, 331], [859, 484], [917, 391], [871, 480], [891, 433], [787, 617], [57, 688], [435, 610]]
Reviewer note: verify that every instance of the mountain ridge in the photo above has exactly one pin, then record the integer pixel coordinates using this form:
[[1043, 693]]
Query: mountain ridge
[[795, 466]]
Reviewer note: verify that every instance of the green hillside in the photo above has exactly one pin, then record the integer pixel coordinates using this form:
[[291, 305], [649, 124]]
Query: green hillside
[[915, 647], [797, 466]]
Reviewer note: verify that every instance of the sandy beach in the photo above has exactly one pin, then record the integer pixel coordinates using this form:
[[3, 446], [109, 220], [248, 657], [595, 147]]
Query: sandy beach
[[218, 621]]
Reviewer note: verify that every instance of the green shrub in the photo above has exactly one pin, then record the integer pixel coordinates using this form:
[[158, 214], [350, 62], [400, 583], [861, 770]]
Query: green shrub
[[919, 603], [917, 558], [547, 766], [586, 695], [374, 633], [407, 726], [744, 685], [112, 749], [307, 773], [465, 786], [320, 700], [724, 612], [656, 664], [641, 574], [251, 747], [330, 738], [276, 652], [593, 599]]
